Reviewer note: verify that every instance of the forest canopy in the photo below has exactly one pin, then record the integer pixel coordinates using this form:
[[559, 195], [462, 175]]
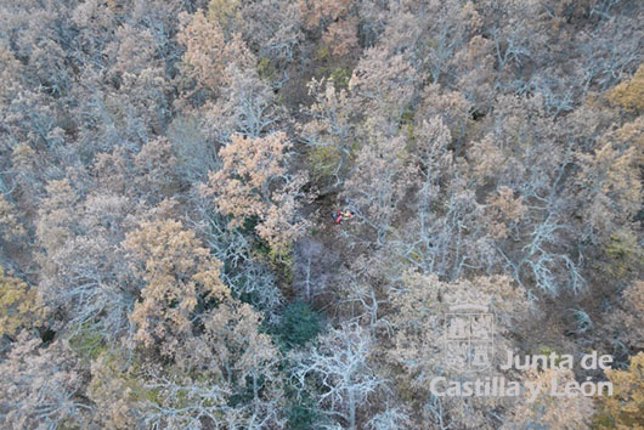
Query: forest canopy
[[268, 214]]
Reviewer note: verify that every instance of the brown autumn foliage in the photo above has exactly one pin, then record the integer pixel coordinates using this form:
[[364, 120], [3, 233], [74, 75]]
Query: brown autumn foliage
[[624, 410], [567, 413], [22, 307], [210, 58], [254, 183], [629, 94], [178, 273]]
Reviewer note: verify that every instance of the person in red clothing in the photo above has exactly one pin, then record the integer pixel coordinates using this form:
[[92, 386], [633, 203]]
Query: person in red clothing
[[339, 216]]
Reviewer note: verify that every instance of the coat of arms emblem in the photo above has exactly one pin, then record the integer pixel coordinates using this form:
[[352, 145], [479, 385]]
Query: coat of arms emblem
[[469, 338]]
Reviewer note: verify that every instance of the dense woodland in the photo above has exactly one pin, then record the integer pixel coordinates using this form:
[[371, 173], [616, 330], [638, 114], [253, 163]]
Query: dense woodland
[[168, 169]]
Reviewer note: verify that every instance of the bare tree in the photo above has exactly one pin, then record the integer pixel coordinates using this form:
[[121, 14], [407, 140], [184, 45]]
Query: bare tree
[[41, 387], [339, 363]]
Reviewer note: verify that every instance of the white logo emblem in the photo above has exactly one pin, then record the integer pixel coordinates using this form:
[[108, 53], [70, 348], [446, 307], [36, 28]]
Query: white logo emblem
[[469, 336]]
